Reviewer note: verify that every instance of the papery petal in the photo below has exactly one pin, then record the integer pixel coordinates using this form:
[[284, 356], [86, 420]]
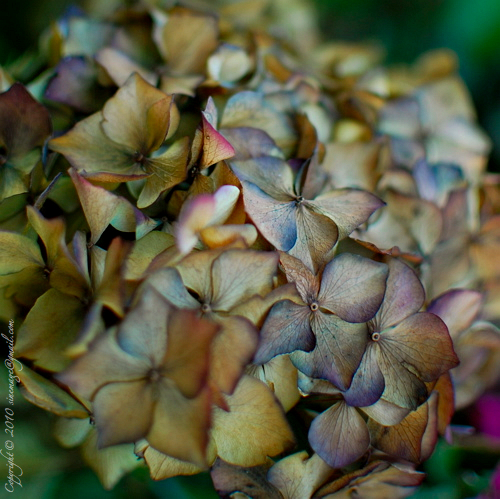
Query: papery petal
[[123, 412], [196, 274], [316, 238], [88, 149], [104, 363], [414, 438], [353, 164], [250, 143], [385, 413], [331, 435], [50, 327], [232, 350], [446, 402], [119, 67], [281, 377], [187, 359], [299, 475], [339, 348], [187, 39], [404, 295], [180, 426], [286, 329], [137, 116], [143, 331], [348, 208], [305, 281], [238, 236], [228, 64], [402, 387], [75, 84], [254, 427], [18, 252], [162, 466], [110, 464], [367, 383], [269, 173], [445, 306], [215, 147], [377, 480], [229, 479], [194, 216], [169, 284], [422, 219], [25, 123], [144, 251], [422, 344], [46, 394], [102, 208], [225, 197], [275, 219], [168, 169], [251, 109], [353, 287], [239, 274]]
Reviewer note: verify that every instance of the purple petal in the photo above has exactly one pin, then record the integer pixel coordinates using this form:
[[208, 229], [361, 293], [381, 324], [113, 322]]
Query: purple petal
[[353, 287], [286, 329], [339, 435], [404, 295]]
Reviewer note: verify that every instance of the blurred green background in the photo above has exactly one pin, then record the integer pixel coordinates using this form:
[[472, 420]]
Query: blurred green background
[[406, 29]]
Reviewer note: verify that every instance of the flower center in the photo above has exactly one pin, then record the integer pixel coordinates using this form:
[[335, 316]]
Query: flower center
[[154, 375], [205, 308], [375, 336], [299, 200], [138, 157], [314, 306]]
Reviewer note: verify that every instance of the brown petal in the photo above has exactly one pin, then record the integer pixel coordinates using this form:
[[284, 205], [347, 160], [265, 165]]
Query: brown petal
[[105, 362], [414, 438], [180, 426], [187, 39], [299, 475], [187, 359], [25, 123], [137, 116], [110, 464], [385, 413], [168, 169], [316, 238], [402, 387], [306, 282], [229, 479], [232, 350], [255, 426], [123, 412]]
